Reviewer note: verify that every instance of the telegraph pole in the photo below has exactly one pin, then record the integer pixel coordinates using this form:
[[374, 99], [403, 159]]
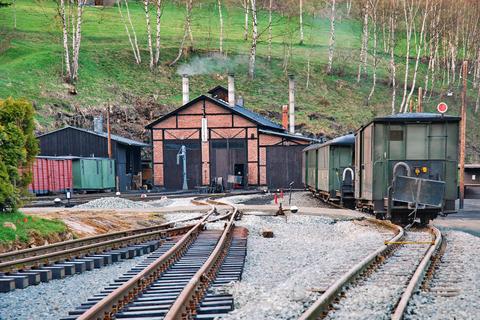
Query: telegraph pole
[[109, 133], [463, 130]]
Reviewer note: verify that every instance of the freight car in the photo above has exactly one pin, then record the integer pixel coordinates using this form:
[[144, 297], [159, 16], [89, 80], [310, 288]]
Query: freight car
[[329, 169], [51, 175], [405, 167]]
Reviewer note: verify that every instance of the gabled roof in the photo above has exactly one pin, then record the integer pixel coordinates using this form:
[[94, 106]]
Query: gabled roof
[[241, 111], [118, 139], [417, 117], [217, 89]]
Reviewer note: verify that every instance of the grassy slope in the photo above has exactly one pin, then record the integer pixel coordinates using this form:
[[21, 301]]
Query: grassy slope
[[30, 65], [27, 224]]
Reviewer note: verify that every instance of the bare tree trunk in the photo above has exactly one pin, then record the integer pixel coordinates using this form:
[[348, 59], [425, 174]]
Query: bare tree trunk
[[66, 50], [269, 30], [301, 21], [332, 38], [77, 40], [149, 33], [187, 30], [393, 67], [253, 50], [246, 7], [189, 20], [409, 21], [14, 15], [349, 7], [157, 38], [477, 104], [135, 41], [373, 4], [364, 48], [134, 46], [419, 50], [221, 24]]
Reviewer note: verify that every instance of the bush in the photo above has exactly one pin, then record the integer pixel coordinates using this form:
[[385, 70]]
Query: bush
[[18, 148]]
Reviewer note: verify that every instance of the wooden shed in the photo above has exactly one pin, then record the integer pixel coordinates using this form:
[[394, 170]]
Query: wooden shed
[[224, 141], [73, 141], [472, 180]]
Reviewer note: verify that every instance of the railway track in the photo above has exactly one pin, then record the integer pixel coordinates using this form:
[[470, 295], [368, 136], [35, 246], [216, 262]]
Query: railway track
[[383, 282], [179, 279], [19, 269]]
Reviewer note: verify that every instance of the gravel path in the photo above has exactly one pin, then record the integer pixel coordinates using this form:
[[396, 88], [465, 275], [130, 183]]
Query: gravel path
[[283, 274], [54, 299], [299, 199], [454, 291], [375, 297]]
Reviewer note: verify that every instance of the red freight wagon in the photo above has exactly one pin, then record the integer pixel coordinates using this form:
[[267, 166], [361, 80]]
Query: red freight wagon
[[51, 175]]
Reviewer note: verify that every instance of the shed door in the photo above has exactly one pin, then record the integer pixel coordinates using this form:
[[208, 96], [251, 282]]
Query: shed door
[[228, 157], [173, 172], [284, 165]]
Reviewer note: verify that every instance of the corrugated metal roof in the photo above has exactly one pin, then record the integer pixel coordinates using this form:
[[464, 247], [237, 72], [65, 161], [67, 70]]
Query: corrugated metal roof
[[346, 140], [288, 135], [114, 137]]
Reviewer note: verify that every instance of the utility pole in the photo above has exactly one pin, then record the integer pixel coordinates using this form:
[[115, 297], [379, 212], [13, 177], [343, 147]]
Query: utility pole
[[109, 134], [463, 129], [420, 107]]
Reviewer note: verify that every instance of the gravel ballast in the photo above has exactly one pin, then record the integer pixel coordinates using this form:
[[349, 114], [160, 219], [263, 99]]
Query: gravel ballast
[[113, 203], [453, 292], [54, 299], [284, 274]]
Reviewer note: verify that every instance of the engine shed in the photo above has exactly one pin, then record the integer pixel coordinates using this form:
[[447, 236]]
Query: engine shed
[[224, 140]]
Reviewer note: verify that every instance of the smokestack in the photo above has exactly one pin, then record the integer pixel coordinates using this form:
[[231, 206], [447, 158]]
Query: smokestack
[[231, 90], [185, 89], [98, 124], [285, 116], [291, 102]]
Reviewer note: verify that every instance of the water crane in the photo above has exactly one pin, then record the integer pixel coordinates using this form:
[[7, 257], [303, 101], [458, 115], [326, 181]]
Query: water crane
[[182, 153]]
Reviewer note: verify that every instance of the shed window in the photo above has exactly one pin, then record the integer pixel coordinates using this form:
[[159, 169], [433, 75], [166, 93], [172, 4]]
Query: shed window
[[396, 135]]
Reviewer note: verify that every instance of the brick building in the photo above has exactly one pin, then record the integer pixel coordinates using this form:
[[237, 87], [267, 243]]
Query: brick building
[[224, 139]]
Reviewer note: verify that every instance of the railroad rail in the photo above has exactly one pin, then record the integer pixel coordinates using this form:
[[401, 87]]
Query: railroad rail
[[173, 284], [402, 244]]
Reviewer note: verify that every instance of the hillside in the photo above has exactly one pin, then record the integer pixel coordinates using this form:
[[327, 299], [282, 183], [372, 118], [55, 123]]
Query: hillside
[[31, 67]]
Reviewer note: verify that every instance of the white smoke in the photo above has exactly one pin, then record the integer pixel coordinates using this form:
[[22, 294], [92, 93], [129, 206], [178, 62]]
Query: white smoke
[[213, 63]]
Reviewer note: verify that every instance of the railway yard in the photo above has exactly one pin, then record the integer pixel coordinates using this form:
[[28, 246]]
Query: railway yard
[[234, 257]]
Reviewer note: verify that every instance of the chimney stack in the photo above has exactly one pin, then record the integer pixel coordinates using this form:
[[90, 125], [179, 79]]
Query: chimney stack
[[98, 124], [231, 90], [185, 89], [291, 102], [285, 116]]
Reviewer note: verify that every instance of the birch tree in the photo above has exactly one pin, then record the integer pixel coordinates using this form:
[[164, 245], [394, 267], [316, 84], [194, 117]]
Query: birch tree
[[269, 57], [419, 46], [393, 68], [129, 26], [187, 32], [149, 33], [373, 5], [246, 9], [362, 66], [253, 50], [71, 24], [301, 21], [332, 38], [14, 14], [159, 6], [221, 24]]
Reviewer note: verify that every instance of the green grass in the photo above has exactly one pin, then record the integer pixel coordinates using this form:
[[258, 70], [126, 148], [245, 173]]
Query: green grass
[[27, 225], [31, 66]]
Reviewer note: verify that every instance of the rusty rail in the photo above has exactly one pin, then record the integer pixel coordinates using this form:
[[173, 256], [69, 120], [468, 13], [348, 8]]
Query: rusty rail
[[186, 302], [116, 300], [418, 276], [322, 304], [51, 257]]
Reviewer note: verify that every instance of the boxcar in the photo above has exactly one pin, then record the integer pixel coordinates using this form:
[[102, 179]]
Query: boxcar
[[92, 174], [51, 175], [328, 169], [406, 166]]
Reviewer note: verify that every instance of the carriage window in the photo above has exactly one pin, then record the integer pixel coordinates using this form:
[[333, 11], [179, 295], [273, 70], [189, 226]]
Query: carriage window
[[396, 135]]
